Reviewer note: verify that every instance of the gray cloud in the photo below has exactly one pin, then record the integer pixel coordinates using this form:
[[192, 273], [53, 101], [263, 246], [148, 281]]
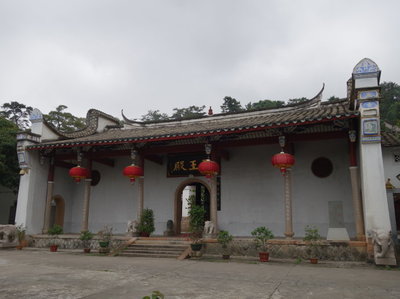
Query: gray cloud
[[141, 55]]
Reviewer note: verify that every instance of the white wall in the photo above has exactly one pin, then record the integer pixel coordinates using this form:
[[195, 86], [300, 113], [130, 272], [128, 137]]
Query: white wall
[[391, 168], [64, 186], [252, 190], [32, 195]]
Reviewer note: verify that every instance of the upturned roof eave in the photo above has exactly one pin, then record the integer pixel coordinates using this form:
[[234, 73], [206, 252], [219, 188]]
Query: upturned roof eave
[[186, 135]]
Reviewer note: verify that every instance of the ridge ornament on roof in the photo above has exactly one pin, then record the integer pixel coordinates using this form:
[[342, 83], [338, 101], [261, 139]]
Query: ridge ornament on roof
[[92, 125]]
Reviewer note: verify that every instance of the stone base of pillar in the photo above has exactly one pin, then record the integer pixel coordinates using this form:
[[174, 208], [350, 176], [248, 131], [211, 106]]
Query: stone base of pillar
[[289, 235], [361, 237]]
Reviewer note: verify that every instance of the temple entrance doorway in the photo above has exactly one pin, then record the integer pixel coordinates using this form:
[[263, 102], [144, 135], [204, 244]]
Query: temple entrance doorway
[[57, 211], [190, 190]]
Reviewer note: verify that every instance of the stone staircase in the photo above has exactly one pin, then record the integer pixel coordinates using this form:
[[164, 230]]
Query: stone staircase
[[148, 247]]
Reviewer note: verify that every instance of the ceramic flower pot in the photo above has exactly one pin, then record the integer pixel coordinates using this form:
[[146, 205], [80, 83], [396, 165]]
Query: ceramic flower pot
[[196, 247], [264, 256]]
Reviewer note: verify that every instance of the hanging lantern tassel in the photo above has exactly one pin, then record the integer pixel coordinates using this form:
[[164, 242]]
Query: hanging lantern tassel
[[133, 172], [209, 168], [283, 161], [78, 173]]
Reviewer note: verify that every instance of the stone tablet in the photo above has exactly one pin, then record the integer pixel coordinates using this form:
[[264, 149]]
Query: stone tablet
[[336, 219]]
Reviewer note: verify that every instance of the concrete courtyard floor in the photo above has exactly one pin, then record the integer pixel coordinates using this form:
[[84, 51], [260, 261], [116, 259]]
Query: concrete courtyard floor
[[33, 273]]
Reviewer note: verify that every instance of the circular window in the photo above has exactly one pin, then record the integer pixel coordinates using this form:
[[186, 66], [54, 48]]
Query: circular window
[[322, 167], [95, 177]]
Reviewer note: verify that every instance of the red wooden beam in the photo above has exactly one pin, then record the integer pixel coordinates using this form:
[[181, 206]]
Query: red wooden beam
[[219, 146]]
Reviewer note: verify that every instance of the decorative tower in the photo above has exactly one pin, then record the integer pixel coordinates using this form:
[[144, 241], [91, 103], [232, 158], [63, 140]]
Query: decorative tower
[[366, 95]]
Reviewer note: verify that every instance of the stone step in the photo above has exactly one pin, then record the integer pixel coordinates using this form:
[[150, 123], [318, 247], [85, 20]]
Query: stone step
[[162, 242], [155, 246], [170, 248], [161, 251], [153, 255]]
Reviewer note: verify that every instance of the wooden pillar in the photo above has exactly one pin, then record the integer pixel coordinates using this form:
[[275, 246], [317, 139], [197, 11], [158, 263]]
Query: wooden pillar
[[355, 191], [49, 197], [288, 204], [86, 198], [140, 182], [141, 198], [213, 203]]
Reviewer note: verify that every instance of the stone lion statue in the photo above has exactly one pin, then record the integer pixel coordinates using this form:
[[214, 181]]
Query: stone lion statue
[[209, 228], [8, 235], [131, 228], [382, 241]]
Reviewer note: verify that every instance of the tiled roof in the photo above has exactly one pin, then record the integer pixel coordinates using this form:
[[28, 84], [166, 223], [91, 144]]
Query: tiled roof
[[213, 125], [390, 139]]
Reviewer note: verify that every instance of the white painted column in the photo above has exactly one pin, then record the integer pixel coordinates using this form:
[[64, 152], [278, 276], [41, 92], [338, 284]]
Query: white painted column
[[86, 202], [366, 93], [376, 211], [288, 204]]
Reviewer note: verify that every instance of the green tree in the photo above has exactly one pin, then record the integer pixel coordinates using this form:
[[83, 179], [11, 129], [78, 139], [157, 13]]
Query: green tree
[[231, 105], [296, 101], [333, 98], [9, 169], [190, 112], [154, 115], [264, 104], [17, 113], [390, 103], [64, 121]]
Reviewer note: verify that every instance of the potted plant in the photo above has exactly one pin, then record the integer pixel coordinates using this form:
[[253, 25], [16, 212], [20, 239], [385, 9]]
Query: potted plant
[[105, 236], [54, 231], [313, 240], [224, 238], [262, 234], [21, 236], [196, 223], [85, 237], [146, 223]]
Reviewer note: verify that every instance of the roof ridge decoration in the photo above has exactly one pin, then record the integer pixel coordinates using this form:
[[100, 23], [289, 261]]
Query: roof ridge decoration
[[222, 125], [314, 102], [92, 123]]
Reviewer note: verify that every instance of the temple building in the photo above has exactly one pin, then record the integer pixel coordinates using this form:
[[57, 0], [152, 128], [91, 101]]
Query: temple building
[[329, 170]]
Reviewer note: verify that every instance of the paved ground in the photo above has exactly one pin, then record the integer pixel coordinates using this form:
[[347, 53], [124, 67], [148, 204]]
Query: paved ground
[[42, 274]]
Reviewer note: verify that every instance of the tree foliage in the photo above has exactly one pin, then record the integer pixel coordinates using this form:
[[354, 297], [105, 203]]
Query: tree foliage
[[64, 121], [17, 113], [264, 104], [9, 169], [390, 103], [189, 112], [296, 101], [333, 98], [231, 105], [154, 115]]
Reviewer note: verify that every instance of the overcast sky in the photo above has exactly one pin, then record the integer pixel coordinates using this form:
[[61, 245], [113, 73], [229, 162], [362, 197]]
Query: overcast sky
[[141, 55]]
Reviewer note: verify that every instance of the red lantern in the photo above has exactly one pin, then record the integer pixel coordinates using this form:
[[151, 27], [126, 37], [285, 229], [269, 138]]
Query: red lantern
[[78, 173], [283, 161], [209, 168], [133, 172]]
